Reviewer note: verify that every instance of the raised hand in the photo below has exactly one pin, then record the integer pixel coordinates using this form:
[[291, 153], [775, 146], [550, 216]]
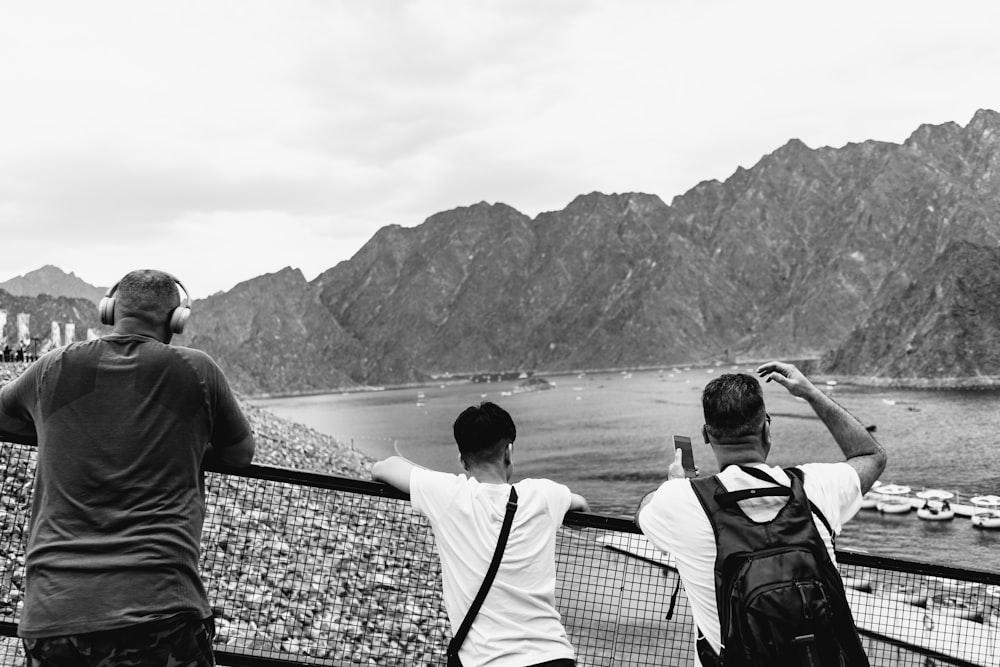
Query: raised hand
[[788, 376]]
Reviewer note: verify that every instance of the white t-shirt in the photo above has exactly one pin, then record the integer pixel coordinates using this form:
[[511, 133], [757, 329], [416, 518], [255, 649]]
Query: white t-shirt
[[518, 623], [674, 521]]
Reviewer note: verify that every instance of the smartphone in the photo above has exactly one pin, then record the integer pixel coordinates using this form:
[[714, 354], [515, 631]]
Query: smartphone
[[683, 443]]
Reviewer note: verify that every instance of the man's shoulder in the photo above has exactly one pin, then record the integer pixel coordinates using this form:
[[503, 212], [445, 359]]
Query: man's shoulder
[[199, 359], [836, 473], [673, 513], [430, 473], [671, 492], [434, 480], [191, 353], [540, 483]]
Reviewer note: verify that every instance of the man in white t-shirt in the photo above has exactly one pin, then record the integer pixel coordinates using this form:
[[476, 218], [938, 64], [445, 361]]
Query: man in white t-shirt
[[737, 427], [518, 624]]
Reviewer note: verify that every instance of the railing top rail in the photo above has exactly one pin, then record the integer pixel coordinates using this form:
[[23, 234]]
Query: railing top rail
[[586, 519], [581, 519]]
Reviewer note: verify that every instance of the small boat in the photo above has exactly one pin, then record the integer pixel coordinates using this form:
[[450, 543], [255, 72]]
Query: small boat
[[986, 511], [936, 506], [894, 499]]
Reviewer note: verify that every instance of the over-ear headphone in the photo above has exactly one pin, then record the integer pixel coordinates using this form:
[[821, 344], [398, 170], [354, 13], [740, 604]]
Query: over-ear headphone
[[178, 316]]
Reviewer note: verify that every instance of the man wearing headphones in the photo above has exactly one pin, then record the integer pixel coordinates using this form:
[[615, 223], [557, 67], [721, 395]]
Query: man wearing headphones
[[123, 425]]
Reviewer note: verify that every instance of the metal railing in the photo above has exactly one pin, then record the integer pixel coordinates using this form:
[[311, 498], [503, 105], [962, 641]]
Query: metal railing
[[308, 569]]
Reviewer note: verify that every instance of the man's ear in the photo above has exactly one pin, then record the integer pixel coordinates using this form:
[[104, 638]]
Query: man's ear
[[704, 433], [508, 453], [461, 459]]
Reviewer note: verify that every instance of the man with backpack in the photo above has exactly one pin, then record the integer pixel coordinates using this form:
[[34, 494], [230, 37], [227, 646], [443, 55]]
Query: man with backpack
[[754, 544]]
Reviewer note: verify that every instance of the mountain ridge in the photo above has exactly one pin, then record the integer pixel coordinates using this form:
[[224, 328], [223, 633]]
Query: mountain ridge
[[53, 281], [790, 257]]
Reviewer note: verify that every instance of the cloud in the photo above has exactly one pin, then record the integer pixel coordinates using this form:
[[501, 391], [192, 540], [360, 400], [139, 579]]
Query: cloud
[[145, 125]]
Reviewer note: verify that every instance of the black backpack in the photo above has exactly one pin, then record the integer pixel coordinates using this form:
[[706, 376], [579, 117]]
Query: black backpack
[[781, 599]]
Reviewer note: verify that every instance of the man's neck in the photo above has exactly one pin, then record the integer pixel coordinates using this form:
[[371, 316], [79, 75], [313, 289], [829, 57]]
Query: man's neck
[[134, 326], [490, 474], [742, 453]]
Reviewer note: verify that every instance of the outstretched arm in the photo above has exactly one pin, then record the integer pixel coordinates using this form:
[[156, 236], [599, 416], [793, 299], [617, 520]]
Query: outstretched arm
[[394, 471], [578, 503], [863, 452]]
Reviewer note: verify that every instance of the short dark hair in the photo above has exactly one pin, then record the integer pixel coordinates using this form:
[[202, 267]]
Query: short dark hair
[[481, 430], [147, 294], [733, 405]]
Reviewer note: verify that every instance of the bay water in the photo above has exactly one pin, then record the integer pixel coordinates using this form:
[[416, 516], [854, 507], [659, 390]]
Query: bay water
[[608, 436]]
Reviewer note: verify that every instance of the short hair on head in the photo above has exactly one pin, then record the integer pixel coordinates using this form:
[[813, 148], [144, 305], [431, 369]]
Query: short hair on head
[[147, 294], [482, 431], [733, 405]]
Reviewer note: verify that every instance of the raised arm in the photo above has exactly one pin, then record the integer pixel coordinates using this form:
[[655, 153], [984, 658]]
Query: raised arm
[[862, 451]]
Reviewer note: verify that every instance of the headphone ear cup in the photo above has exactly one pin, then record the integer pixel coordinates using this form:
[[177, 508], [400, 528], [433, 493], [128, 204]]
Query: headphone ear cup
[[179, 318], [107, 310]]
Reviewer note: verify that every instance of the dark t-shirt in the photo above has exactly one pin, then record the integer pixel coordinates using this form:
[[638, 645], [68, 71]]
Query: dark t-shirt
[[122, 425]]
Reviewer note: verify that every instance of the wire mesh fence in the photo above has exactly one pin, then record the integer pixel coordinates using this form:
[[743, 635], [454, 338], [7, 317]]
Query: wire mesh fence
[[303, 568]]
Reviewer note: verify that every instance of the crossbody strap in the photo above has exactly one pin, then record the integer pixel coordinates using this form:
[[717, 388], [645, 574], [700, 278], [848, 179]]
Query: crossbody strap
[[491, 573]]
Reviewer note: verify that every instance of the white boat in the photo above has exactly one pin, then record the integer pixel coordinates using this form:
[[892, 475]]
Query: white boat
[[936, 506], [986, 512], [894, 499]]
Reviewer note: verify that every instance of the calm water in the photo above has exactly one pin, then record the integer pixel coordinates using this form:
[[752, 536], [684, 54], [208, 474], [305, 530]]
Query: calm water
[[608, 437]]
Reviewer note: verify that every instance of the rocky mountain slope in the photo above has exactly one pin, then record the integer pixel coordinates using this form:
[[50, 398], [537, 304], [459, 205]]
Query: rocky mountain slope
[[272, 334], [945, 324], [787, 258], [784, 258]]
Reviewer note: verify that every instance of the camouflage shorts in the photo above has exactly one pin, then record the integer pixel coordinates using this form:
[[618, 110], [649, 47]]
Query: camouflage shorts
[[179, 641]]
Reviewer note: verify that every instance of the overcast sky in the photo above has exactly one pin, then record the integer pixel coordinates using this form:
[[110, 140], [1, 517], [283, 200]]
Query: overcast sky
[[224, 140]]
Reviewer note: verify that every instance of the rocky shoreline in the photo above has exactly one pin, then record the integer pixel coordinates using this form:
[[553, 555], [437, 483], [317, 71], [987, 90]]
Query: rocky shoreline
[[980, 382]]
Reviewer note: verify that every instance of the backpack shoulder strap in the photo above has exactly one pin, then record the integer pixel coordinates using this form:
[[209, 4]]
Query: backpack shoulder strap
[[798, 474], [707, 490]]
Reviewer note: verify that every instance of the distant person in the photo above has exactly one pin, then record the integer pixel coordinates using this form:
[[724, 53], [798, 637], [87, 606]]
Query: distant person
[[675, 517], [123, 425], [7, 353], [518, 624]]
